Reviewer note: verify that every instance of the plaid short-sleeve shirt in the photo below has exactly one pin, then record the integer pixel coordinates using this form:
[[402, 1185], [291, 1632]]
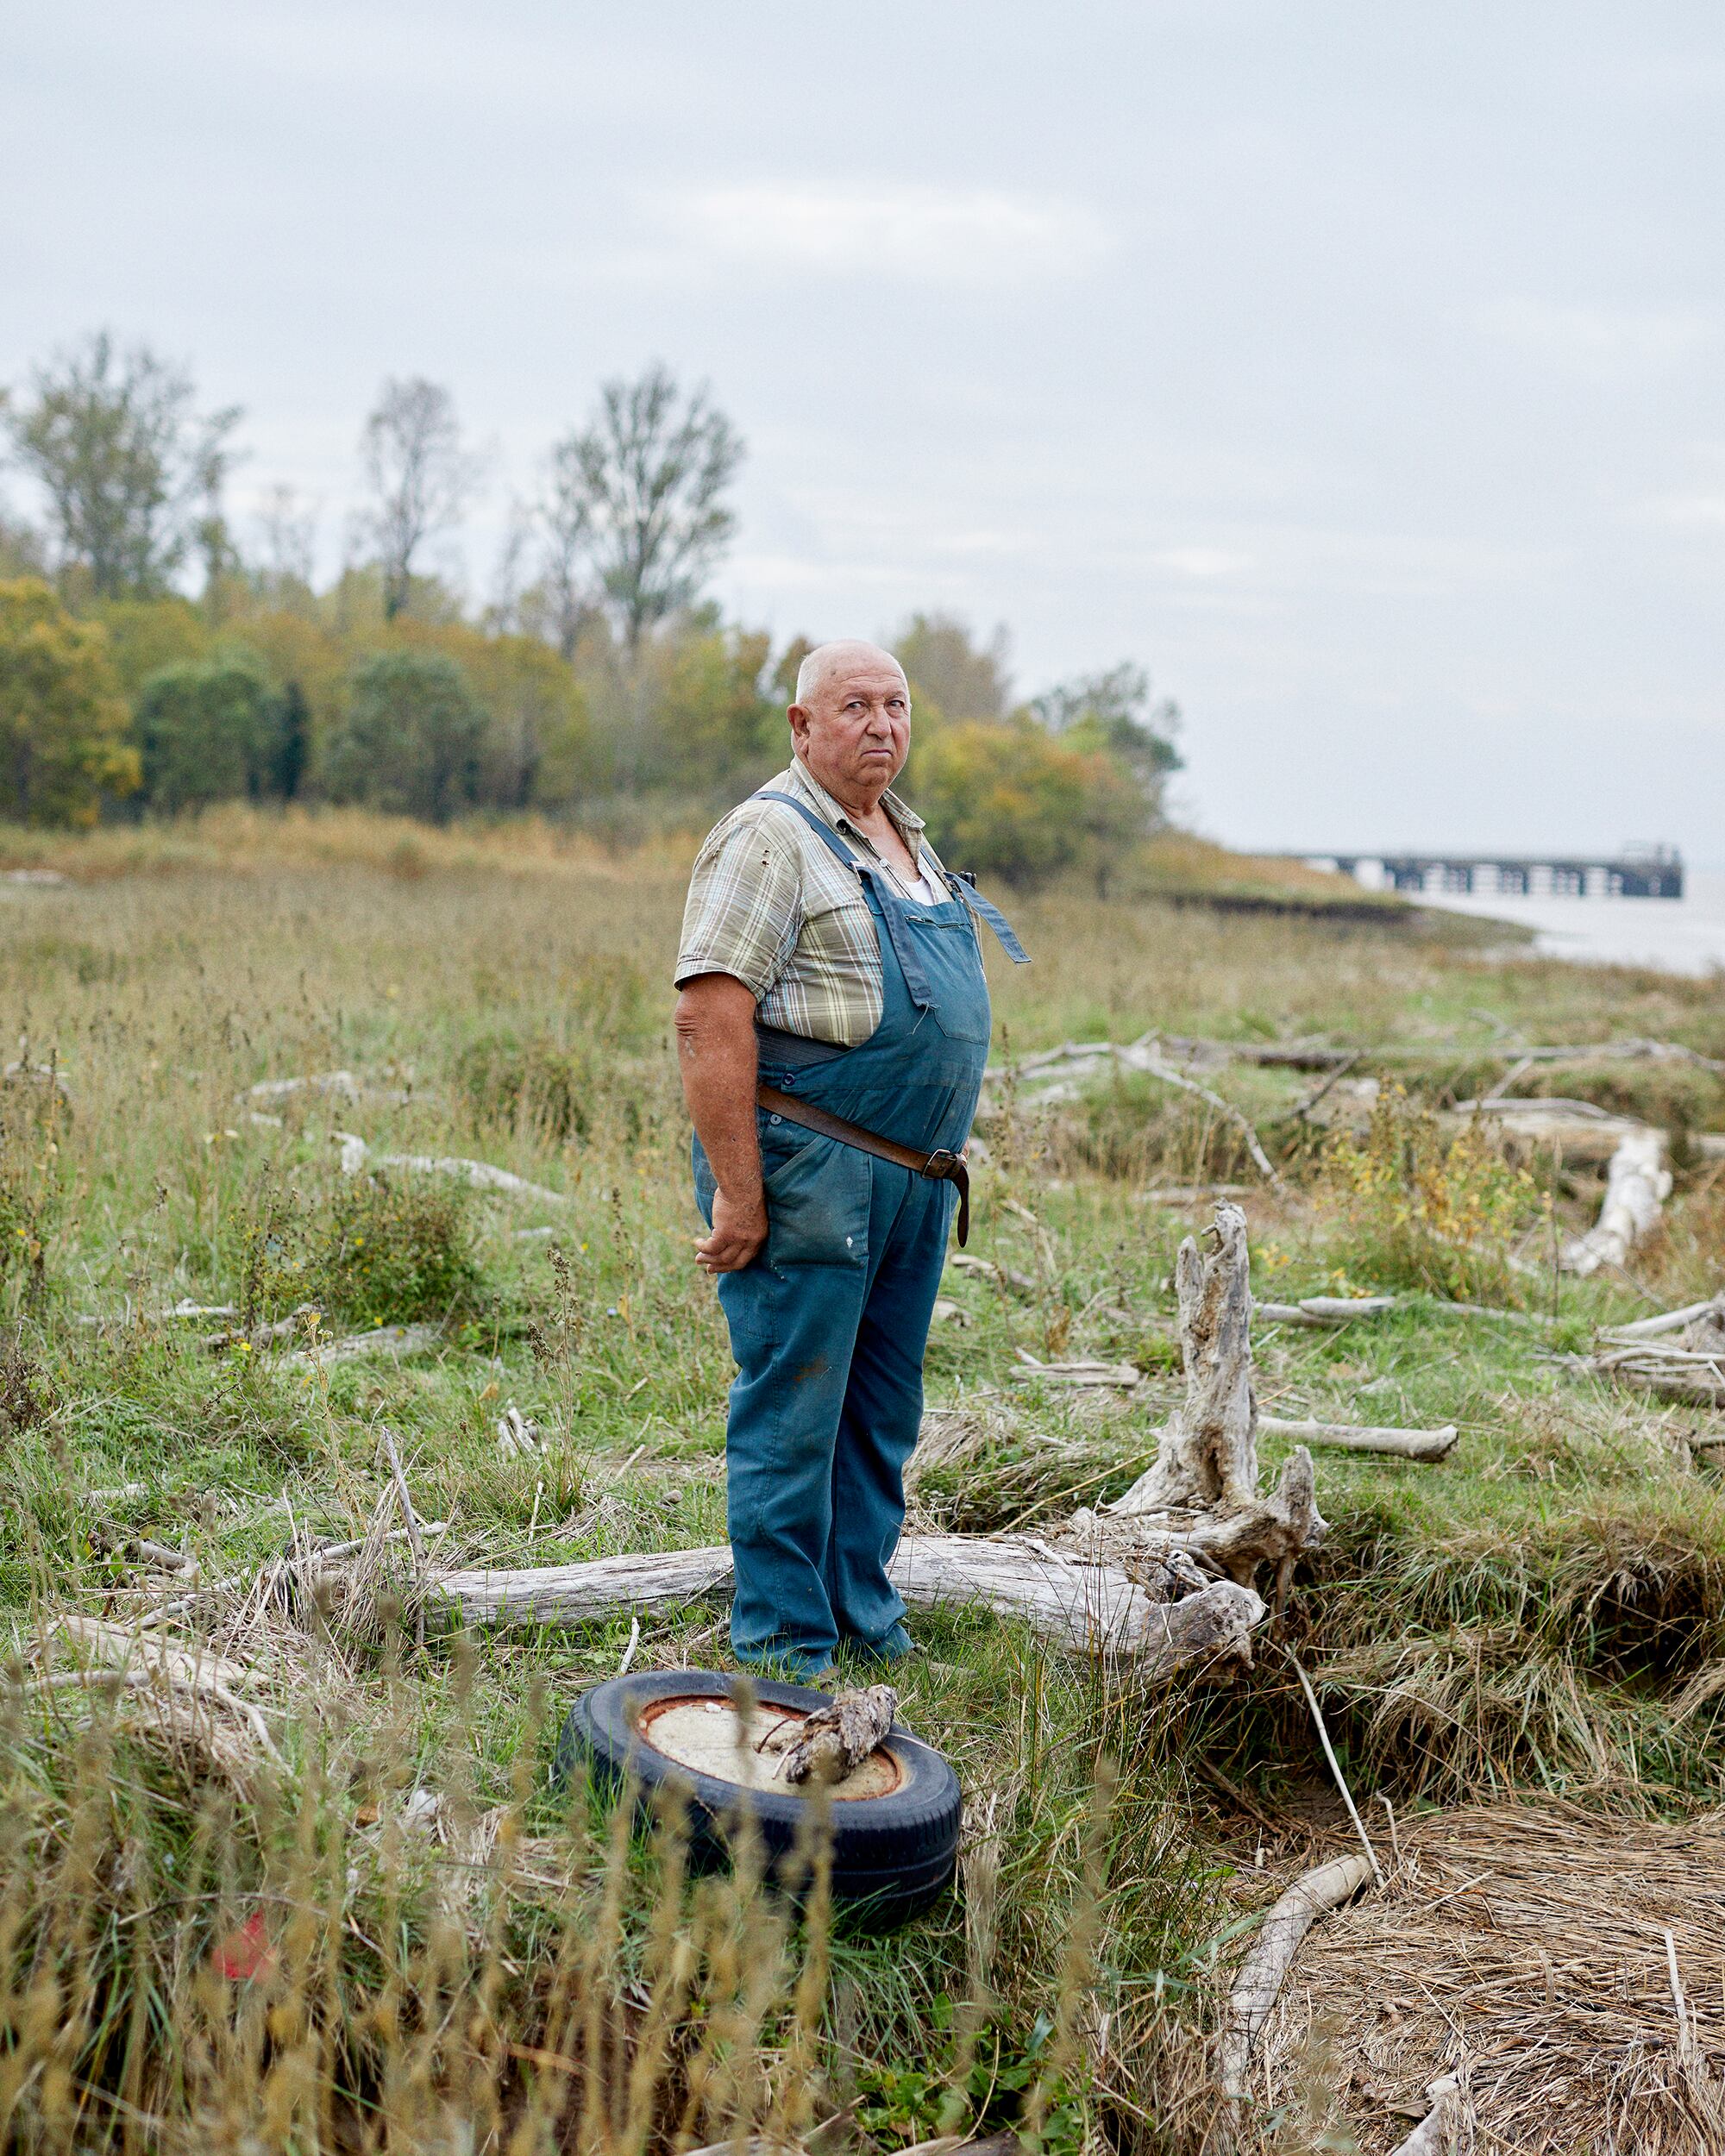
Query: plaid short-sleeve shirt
[[770, 904]]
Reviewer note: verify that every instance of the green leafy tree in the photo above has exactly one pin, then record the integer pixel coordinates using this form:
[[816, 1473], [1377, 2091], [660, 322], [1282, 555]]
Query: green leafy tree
[[411, 738], [131, 472], [22, 550], [1115, 711], [209, 733], [1111, 719], [147, 635], [716, 722], [63, 720], [639, 493], [789, 665], [1003, 799]]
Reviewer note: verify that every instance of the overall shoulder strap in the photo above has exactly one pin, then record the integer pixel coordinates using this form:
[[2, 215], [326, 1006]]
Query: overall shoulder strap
[[820, 830], [992, 914], [887, 903]]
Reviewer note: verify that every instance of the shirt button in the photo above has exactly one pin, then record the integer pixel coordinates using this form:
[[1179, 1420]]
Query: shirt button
[[849, 1240], [772, 1118]]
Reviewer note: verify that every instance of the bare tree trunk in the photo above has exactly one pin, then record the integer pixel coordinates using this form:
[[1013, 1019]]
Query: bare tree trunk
[[1208, 1454]]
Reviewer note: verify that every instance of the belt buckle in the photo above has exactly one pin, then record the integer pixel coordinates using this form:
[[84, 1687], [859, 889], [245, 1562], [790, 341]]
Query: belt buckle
[[940, 1165]]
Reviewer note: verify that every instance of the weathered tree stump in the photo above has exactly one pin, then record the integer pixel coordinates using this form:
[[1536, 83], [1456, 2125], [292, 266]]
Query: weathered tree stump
[[1200, 1494]]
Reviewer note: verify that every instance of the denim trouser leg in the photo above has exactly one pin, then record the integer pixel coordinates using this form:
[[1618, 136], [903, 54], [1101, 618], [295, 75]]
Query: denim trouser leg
[[882, 1417], [791, 1331], [824, 1413]]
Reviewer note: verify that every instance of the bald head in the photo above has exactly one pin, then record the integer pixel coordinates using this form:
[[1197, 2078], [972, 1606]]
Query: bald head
[[826, 660], [851, 721]]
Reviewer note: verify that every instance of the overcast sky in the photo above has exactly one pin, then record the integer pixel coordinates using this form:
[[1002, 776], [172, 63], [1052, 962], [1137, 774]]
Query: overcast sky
[[1359, 369]]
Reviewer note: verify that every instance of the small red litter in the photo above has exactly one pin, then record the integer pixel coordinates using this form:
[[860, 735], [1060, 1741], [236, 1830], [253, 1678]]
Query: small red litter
[[245, 1953]]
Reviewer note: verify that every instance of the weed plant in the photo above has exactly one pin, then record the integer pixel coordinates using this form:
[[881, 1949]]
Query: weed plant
[[362, 1250], [1426, 1209]]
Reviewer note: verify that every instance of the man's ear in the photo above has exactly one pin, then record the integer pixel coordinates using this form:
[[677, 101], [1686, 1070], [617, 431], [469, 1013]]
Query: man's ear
[[798, 716]]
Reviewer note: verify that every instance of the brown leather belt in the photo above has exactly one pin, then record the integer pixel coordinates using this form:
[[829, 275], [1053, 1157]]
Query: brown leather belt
[[941, 1166]]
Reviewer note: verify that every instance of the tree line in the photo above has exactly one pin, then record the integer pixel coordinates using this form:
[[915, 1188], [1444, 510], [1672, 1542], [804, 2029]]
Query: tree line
[[154, 661]]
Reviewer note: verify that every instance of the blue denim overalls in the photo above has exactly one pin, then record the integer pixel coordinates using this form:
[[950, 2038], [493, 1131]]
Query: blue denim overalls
[[828, 1324]]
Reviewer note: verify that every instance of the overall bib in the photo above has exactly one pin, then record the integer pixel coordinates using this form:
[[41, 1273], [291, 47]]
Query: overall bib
[[828, 1324]]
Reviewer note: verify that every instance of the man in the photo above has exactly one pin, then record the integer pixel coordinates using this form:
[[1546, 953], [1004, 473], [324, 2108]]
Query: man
[[832, 1028]]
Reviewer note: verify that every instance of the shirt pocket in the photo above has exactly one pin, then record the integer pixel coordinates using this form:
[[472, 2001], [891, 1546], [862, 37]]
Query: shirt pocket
[[841, 929], [817, 1192]]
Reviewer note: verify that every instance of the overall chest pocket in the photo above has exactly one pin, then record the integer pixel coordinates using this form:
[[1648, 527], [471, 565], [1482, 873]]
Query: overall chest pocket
[[817, 1194], [953, 967]]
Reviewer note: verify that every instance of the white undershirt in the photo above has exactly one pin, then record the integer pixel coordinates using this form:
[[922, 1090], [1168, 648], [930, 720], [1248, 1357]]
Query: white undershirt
[[921, 887]]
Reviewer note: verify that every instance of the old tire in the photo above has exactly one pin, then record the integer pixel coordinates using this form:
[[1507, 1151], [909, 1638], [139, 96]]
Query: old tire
[[893, 1853]]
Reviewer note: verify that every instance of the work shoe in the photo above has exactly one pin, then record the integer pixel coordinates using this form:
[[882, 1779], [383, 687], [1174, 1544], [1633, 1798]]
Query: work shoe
[[894, 1646]]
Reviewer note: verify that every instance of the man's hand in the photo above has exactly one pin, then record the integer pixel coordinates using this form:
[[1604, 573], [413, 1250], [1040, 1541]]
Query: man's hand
[[739, 1228], [716, 1048]]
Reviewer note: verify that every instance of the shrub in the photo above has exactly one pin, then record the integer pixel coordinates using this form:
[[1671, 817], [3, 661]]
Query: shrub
[[1003, 799], [410, 740], [365, 1250], [532, 1084], [213, 732], [1426, 1210]]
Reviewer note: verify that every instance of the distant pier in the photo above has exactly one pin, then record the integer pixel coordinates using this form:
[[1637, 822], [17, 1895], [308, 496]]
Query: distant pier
[[1639, 872]]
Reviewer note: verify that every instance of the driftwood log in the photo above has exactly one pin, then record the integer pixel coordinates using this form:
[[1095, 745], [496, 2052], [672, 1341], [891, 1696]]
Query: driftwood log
[[1166, 1579], [1439, 2131], [1405, 1445], [1207, 1458], [1258, 1985], [1668, 1321], [1637, 1179], [357, 1156], [1320, 1056], [1324, 1310], [1095, 1608], [1577, 1132], [1678, 1355], [1637, 1184], [341, 1085]]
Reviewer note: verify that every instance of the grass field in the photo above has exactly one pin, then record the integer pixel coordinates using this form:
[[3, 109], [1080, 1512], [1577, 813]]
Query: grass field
[[419, 1935]]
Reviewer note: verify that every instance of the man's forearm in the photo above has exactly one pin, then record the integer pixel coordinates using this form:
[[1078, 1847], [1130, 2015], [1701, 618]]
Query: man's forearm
[[718, 1066], [717, 1053]]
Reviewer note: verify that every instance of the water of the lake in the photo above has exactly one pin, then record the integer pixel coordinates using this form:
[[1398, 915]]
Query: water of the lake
[[1685, 935]]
